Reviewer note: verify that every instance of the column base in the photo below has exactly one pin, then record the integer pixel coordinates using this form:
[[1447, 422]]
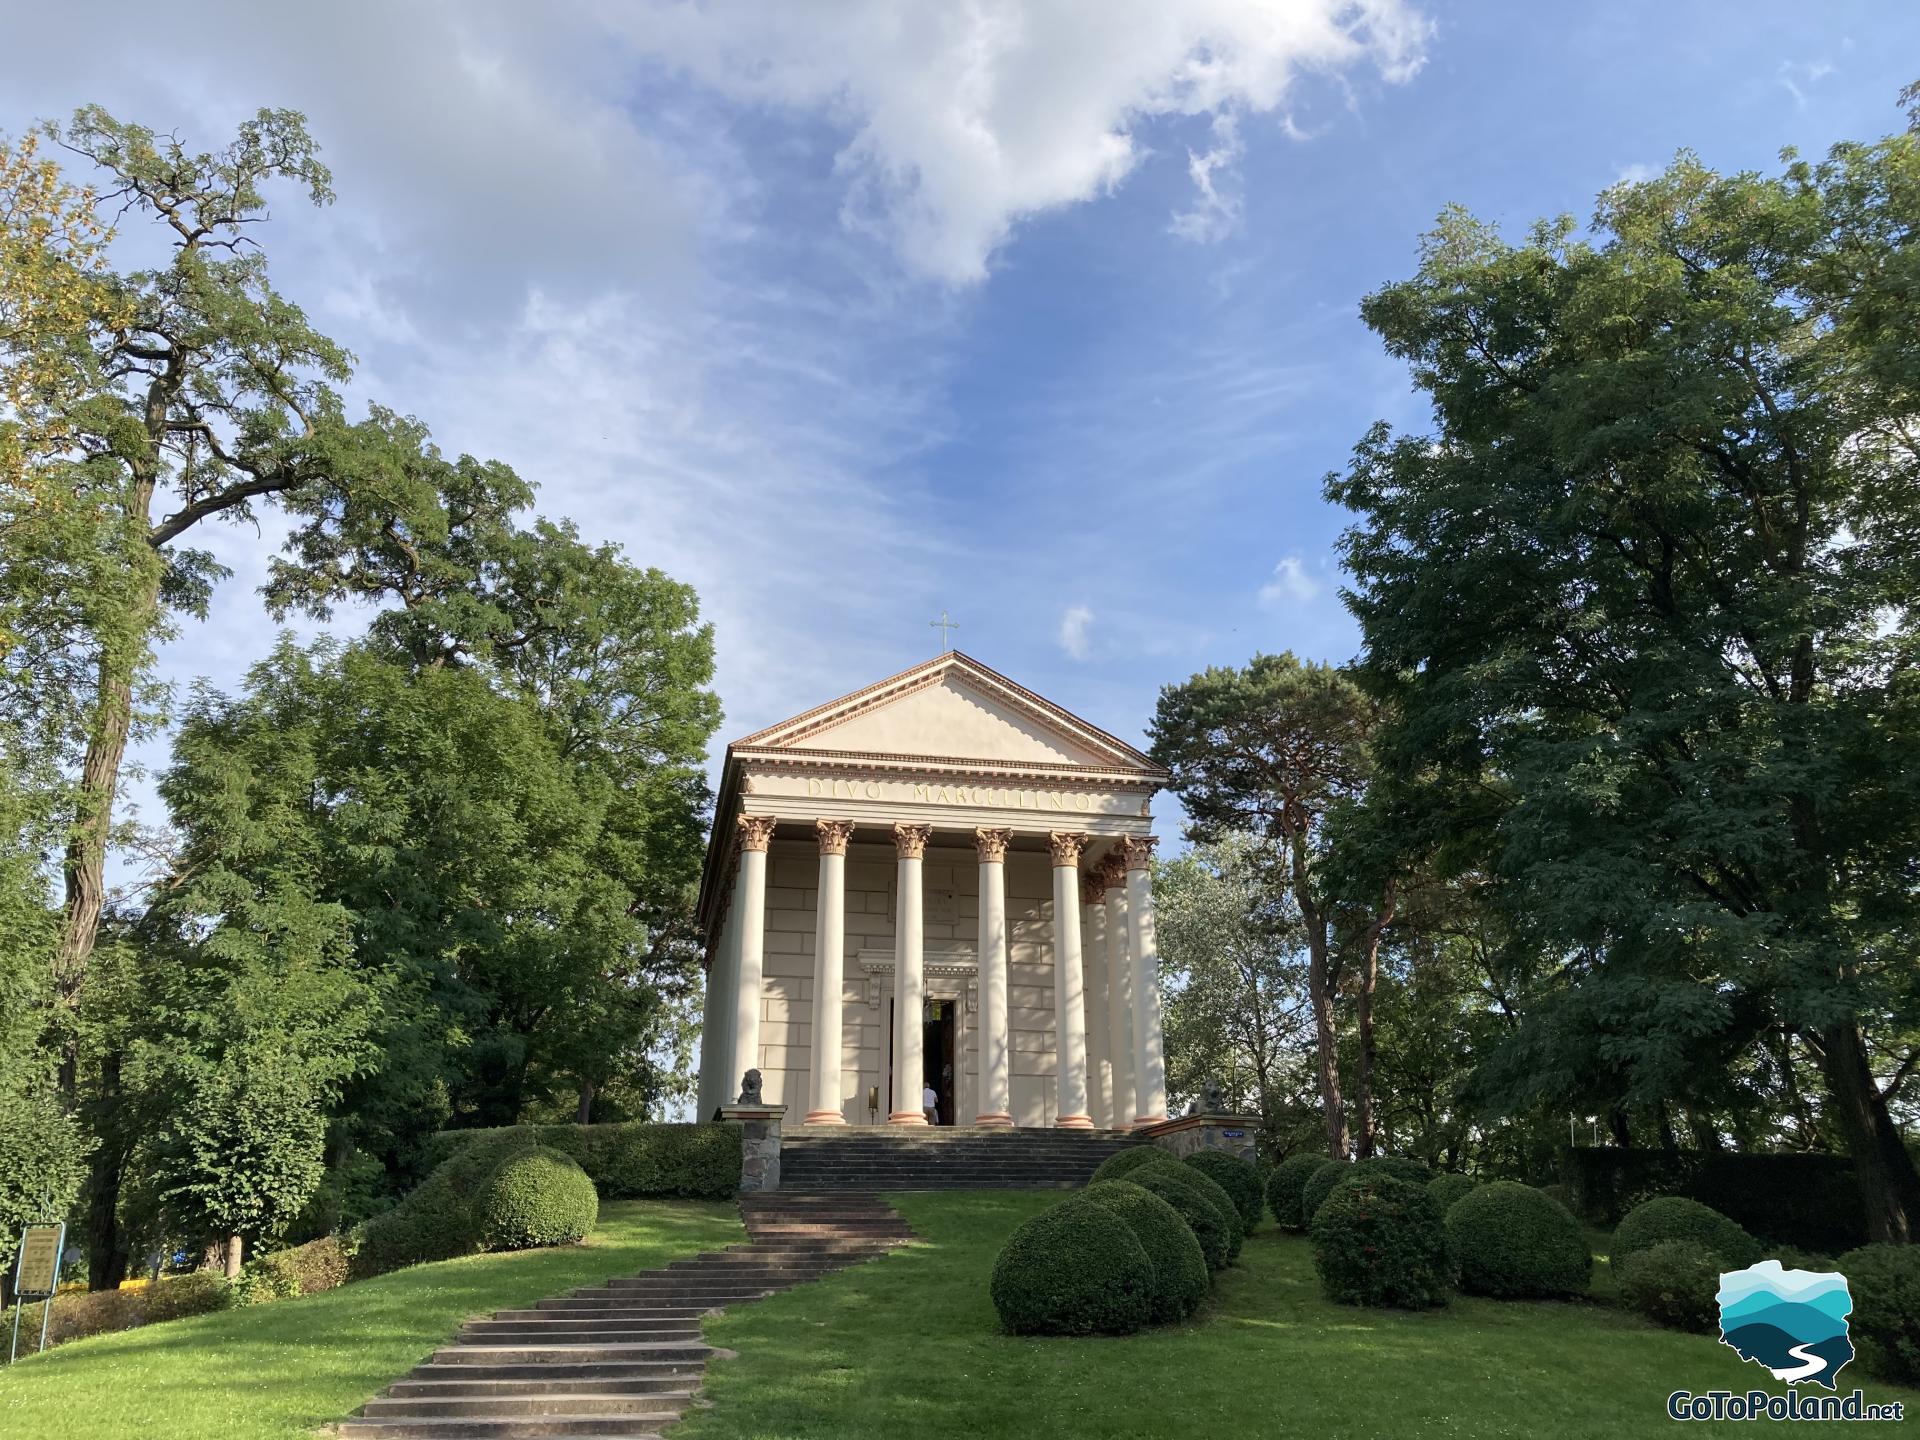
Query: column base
[[1074, 1122], [907, 1117], [994, 1120], [1140, 1121], [824, 1117]]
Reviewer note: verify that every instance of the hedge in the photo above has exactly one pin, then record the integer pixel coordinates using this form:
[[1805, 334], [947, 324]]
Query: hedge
[[438, 1219], [1806, 1200], [1205, 1216], [76, 1315], [1076, 1269], [1449, 1187], [1122, 1163], [1284, 1185], [1675, 1283], [1512, 1242], [308, 1269], [1378, 1240], [1319, 1185], [627, 1161], [537, 1199], [1673, 1217], [1214, 1191], [1180, 1278], [1884, 1281], [1238, 1178]]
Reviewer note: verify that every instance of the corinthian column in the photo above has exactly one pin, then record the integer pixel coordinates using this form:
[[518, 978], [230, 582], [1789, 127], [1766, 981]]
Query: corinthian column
[[750, 903], [1113, 875], [829, 986], [1150, 1063], [1093, 935], [909, 983], [1069, 985], [996, 1078]]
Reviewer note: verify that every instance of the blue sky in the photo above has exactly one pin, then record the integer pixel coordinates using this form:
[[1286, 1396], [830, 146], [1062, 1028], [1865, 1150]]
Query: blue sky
[[1044, 313]]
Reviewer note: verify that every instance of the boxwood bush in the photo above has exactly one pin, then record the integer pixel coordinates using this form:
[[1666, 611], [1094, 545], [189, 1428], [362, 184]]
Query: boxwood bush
[[535, 1199], [628, 1161], [1284, 1185], [1238, 1178], [1214, 1191], [1671, 1217], [1449, 1187], [1511, 1241], [438, 1219], [175, 1297], [1381, 1241], [1885, 1283], [1675, 1283], [1319, 1185], [1122, 1163], [305, 1269], [1076, 1269], [1180, 1278], [1205, 1215]]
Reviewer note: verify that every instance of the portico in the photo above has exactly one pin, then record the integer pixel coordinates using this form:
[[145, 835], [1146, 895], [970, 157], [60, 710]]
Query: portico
[[939, 882]]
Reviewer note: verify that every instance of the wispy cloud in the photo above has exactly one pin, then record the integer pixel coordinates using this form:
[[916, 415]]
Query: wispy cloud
[[1798, 76], [1216, 202], [1289, 585], [1076, 631]]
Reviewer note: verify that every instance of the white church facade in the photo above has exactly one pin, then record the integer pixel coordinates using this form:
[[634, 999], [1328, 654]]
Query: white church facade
[[941, 882]]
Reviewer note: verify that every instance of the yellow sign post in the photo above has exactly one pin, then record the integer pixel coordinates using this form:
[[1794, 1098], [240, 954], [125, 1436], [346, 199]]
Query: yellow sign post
[[37, 1274]]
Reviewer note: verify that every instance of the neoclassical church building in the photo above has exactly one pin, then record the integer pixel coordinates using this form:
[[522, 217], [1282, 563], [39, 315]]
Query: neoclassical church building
[[939, 882]]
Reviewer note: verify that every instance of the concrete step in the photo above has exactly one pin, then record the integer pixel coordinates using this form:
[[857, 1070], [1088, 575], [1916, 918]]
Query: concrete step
[[661, 1405], [512, 1427], [568, 1354], [670, 1380], [554, 1371]]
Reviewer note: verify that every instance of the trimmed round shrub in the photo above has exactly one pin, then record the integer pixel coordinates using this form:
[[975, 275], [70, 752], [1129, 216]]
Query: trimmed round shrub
[[1381, 1241], [1449, 1187], [1675, 1283], [1216, 1192], [1319, 1185], [1122, 1163], [1672, 1217], [1076, 1269], [1180, 1278], [1238, 1178], [1285, 1184], [1511, 1241], [1205, 1215], [1414, 1172], [537, 1198], [1885, 1283]]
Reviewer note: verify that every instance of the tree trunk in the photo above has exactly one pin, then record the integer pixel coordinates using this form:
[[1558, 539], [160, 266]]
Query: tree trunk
[[235, 1249], [584, 1115], [1320, 994], [1618, 1128], [106, 1168], [1369, 981], [1889, 1185]]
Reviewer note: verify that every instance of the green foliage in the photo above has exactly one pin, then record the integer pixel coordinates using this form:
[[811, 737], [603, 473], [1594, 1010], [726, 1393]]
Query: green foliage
[[1670, 480], [1884, 1281], [1513, 1242], [1318, 1185], [1675, 1283], [1381, 1241], [1217, 1194], [539, 1197], [1235, 1176], [630, 1160], [1449, 1187], [307, 1269], [1211, 1219], [1180, 1277], [1076, 1269], [1285, 1187], [1672, 1217], [1122, 1163], [441, 1218], [1797, 1198], [178, 1296]]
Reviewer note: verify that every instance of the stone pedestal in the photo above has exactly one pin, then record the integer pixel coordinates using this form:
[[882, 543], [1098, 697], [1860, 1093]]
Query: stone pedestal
[[759, 1144], [1189, 1133]]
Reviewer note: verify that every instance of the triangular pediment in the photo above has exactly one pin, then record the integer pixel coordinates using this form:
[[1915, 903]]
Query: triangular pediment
[[951, 709]]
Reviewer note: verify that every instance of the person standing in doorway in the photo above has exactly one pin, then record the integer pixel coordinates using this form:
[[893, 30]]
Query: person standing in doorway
[[930, 1103]]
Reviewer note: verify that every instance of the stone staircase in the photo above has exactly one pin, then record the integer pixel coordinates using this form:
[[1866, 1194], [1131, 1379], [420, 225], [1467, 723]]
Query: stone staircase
[[624, 1358], [869, 1158]]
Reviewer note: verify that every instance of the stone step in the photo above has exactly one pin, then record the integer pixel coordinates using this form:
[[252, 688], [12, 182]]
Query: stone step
[[568, 1354], [526, 1335], [553, 1371], [559, 1323], [660, 1404], [513, 1427], [576, 1304], [672, 1379]]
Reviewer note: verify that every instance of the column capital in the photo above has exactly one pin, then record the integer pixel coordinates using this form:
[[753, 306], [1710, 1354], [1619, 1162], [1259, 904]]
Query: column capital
[[755, 831], [1139, 849], [910, 841], [1093, 888], [1066, 846], [833, 835], [991, 844], [1113, 871]]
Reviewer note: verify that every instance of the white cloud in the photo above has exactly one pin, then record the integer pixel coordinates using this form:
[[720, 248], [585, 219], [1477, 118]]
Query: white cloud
[[1216, 202], [1076, 631], [966, 119], [1637, 173], [1290, 585], [1797, 76]]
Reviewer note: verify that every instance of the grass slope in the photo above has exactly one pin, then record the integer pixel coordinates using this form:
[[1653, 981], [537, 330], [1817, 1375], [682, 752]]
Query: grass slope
[[909, 1346], [280, 1370]]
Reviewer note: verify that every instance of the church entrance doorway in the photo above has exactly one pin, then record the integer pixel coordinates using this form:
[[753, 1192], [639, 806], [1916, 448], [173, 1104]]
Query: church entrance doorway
[[939, 1054]]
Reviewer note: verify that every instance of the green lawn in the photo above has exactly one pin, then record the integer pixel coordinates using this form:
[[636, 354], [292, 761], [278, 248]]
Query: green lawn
[[908, 1347], [279, 1370]]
